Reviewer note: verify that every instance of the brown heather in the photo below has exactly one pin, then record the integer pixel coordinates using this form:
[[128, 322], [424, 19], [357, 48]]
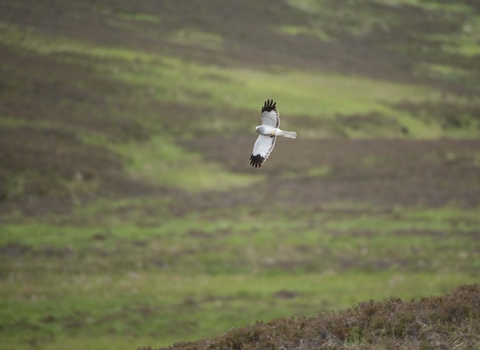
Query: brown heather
[[450, 321]]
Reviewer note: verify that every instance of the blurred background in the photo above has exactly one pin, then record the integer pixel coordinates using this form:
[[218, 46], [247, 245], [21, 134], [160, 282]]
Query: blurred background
[[129, 213]]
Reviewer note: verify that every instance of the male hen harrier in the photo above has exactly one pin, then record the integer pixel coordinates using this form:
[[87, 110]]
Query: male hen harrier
[[268, 133]]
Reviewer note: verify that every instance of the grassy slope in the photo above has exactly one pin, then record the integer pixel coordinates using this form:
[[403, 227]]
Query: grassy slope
[[110, 231]]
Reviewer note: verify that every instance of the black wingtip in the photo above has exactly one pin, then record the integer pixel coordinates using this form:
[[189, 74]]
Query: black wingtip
[[269, 106], [256, 161]]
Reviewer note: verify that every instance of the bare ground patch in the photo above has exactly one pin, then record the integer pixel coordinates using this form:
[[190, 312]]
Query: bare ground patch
[[403, 172]]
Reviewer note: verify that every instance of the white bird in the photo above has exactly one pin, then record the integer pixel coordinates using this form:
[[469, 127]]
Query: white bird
[[268, 133]]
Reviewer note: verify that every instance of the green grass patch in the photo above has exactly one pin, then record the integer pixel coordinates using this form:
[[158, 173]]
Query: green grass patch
[[297, 30], [136, 16], [160, 161], [197, 38]]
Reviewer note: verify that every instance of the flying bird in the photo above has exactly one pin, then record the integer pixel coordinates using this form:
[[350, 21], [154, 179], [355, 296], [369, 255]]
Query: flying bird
[[268, 133]]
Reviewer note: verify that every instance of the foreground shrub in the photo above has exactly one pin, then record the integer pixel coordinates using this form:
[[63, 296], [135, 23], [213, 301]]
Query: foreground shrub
[[437, 322]]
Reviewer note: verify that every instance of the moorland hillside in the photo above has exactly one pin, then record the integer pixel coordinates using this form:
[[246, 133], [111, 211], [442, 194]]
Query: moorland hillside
[[129, 213]]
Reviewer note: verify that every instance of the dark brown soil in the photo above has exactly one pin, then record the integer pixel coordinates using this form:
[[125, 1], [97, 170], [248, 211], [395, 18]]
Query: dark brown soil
[[404, 172]]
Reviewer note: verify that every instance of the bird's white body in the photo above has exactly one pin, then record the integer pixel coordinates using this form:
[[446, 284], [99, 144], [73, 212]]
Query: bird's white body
[[269, 130]]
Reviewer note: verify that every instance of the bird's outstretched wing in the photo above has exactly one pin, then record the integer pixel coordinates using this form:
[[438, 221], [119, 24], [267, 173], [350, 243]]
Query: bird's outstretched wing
[[270, 115], [261, 150]]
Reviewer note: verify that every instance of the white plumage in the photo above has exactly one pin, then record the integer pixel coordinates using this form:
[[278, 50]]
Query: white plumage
[[269, 130]]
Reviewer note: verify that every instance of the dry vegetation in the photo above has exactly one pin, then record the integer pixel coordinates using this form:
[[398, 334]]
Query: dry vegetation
[[450, 321]]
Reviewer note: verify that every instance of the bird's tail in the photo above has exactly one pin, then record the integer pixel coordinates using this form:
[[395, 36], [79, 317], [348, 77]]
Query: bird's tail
[[289, 134]]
